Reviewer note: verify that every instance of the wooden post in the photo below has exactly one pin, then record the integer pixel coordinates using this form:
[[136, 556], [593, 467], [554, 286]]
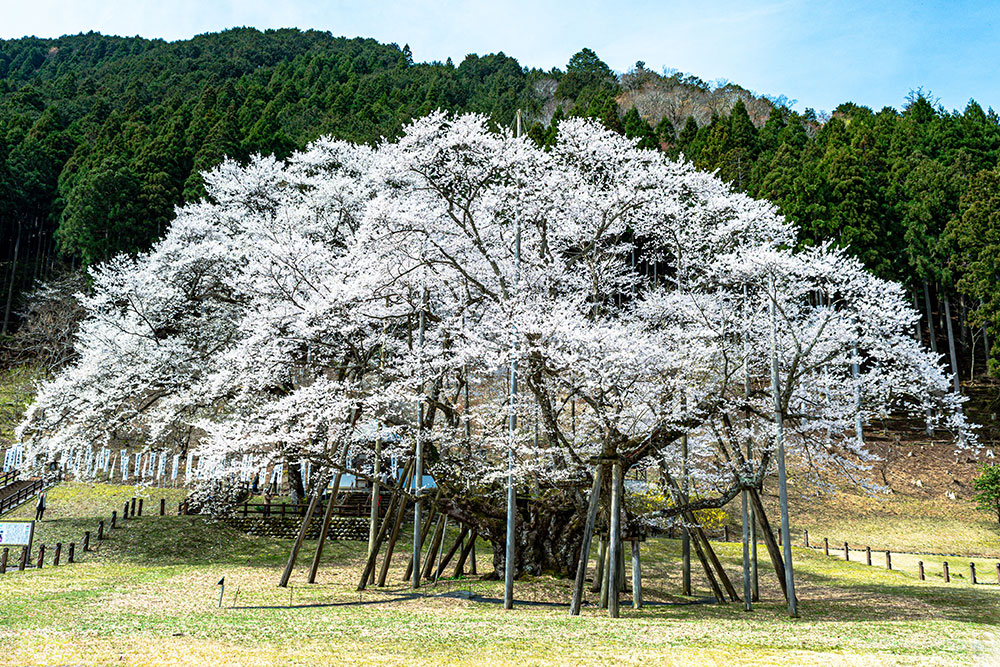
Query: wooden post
[[636, 576], [86, 540], [714, 560], [383, 529], [299, 539], [920, 564], [847, 552], [424, 532], [72, 552], [588, 537], [868, 555], [769, 541], [23, 562], [826, 546], [125, 512], [805, 537], [434, 548], [602, 555], [140, 507], [972, 572], [470, 546], [888, 560], [451, 552], [3, 560], [605, 572], [41, 556], [614, 588], [685, 531], [745, 538], [132, 509], [700, 552], [55, 556], [947, 575], [163, 506], [327, 518], [393, 537], [998, 573]]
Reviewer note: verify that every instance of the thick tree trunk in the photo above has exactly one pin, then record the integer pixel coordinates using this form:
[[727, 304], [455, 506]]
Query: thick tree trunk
[[951, 346], [296, 490], [13, 274], [930, 318]]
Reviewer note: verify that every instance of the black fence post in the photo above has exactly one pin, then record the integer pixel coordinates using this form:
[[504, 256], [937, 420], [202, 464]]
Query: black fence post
[[72, 552]]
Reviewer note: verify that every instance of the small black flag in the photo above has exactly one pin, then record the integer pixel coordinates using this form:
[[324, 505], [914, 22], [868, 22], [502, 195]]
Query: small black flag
[[222, 582]]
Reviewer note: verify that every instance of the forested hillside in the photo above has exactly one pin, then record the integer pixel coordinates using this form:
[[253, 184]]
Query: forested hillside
[[100, 137]]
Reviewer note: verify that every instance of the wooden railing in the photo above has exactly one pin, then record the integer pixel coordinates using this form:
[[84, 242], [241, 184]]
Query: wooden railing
[[299, 509], [22, 495], [8, 477]]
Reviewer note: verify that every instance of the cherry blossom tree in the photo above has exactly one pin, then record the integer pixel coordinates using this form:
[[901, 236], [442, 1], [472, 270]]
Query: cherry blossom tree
[[307, 310]]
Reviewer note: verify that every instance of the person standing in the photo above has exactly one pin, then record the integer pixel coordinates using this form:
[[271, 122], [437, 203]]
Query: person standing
[[40, 506]]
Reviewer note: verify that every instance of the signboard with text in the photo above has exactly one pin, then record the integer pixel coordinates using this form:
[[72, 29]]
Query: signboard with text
[[16, 533]]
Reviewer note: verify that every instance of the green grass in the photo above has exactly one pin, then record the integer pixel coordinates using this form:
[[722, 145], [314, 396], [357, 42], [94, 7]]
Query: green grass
[[148, 596]]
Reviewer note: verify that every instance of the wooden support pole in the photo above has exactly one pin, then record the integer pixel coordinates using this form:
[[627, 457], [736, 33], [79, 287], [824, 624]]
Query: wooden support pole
[[605, 576], [433, 549], [140, 506], [72, 552], [947, 575], [325, 528], [472, 558], [972, 573], [458, 545], [636, 576], [920, 566], [588, 537], [383, 529], [57, 554], [888, 560], [769, 541], [393, 537], [615, 537], [745, 539], [714, 560], [451, 552], [602, 555], [86, 541], [299, 539], [23, 562], [41, 556], [716, 589], [847, 552], [424, 531], [805, 538], [868, 555], [163, 506], [132, 509], [469, 548]]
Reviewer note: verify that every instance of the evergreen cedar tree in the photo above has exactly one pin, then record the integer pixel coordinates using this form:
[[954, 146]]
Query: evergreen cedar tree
[[305, 308], [987, 487], [101, 137]]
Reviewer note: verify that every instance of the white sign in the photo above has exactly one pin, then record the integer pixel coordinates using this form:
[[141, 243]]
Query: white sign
[[16, 533]]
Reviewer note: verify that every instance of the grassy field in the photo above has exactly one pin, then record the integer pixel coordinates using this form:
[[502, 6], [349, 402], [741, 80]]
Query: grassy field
[[148, 596]]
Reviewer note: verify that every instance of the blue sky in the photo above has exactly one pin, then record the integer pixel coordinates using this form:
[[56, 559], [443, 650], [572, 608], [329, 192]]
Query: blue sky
[[819, 53]]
